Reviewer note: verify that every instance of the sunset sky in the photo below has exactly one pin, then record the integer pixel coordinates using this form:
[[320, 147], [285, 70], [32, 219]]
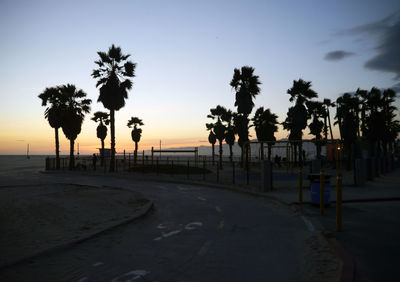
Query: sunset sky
[[185, 53]]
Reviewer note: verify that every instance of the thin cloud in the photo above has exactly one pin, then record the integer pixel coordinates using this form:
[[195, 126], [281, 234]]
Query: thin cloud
[[387, 32], [338, 55]]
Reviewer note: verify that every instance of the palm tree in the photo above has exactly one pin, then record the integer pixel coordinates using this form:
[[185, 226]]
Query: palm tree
[[53, 114], [347, 109], [73, 114], [265, 124], [113, 78], [211, 138], [246, 85], [300, 93], [104, 120], [328, 103], [316, 110], [136, 133], [392, 126], [227, 117], [219, 128]]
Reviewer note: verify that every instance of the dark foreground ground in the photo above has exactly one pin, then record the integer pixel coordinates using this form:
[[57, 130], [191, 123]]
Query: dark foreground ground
[[193, 233]]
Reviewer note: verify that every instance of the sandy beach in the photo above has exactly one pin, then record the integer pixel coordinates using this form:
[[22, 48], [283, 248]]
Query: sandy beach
[[36, 217]]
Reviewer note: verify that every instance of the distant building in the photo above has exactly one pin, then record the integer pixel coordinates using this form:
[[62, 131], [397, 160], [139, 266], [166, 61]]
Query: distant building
[[107, 152]]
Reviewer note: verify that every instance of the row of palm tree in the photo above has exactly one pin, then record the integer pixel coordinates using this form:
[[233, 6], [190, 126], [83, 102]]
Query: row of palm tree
[[370, 112], [66, 109], [67, 106]]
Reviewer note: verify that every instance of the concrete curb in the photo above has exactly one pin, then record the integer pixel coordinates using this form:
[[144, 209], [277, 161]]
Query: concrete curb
[[144, 210], [348, 265]]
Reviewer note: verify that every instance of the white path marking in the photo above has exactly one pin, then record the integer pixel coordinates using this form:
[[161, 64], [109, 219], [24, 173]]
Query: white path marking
[[166, 235], [193, 225], [161, 226], [162, 187], [308, 223], [136, 274], [98, 264], [83, 279]]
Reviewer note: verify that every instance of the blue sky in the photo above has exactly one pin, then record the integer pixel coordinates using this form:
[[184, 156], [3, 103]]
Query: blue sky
[[185, 53]]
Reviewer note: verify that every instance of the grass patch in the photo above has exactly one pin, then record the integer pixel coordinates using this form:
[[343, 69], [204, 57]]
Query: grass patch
[[169, 169]]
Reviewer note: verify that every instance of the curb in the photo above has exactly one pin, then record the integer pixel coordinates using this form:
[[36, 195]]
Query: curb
[[348, 265], [146, 208]]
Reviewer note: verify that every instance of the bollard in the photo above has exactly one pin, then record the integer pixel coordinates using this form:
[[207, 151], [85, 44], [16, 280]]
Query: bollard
[[321, 191], [172, 167], [339, 201], [300, 185], [233, 172]]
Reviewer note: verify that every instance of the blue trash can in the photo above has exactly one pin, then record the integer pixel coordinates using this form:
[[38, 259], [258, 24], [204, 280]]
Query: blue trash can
[[315, 188]]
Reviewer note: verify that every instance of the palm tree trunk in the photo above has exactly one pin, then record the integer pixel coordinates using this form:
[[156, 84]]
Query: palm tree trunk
[[269, 151], [230, 153], [213, 154], [220, 154], [330, 126], [135, 153], [71, 155], [112, 126], [57, 149], [325, 128], [262, 150], [102, 153]]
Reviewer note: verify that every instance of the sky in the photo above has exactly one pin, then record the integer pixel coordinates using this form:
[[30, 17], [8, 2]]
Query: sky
[[186, 52]]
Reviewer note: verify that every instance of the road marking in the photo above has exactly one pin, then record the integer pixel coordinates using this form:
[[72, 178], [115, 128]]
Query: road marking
[[204, 248], [193, 225], [161, 187], [98, 264], [201, 198], [166, 235], [135, 273], [161, 226], [221, 224], [83, 279], [218, 208], [308, 223]]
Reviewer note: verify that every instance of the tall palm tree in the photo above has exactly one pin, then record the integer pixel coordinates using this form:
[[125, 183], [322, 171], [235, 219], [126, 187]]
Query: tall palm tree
[[265, 124], [74, 112], [392, 126], [212, 139], [227, 117], [316, 110], [101, 130], [136, 133], [113, 73], [246, 86], [53, 114], [347, 109], [300, 93], [328, 103], [219, 128]]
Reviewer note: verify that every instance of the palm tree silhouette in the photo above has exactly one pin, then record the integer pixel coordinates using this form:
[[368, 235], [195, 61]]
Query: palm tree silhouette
[[227, 117], [392, 126], [347, 109], [219, 128], [246, 86], [113, 68], [328, 103], [53, 114], [136, 133], [74, 112], [101, 130], [212, 139], [300, 93], [265, 124], [316, 110]]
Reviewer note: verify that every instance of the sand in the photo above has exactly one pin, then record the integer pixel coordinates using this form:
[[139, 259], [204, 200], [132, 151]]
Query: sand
[[34, 218]]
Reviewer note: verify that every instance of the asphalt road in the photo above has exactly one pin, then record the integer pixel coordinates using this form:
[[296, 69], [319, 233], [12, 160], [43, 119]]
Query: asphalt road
[[193, 234]]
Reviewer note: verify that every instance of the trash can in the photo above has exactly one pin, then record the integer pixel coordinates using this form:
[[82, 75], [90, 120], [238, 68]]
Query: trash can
[[315, 188]]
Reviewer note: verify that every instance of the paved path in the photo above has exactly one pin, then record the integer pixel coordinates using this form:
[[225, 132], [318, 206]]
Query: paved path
[[193, 234]]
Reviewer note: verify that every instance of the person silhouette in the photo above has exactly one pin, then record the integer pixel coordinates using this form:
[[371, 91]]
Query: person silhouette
[[94, 159]]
